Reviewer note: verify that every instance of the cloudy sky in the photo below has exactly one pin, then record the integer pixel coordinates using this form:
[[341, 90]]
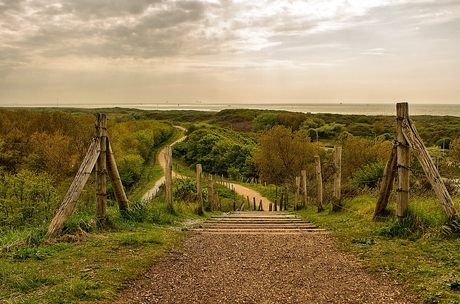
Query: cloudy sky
[[80, 52]]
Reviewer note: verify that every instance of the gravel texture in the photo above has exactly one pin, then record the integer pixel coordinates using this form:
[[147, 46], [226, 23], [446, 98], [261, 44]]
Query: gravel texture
[[263, 268]]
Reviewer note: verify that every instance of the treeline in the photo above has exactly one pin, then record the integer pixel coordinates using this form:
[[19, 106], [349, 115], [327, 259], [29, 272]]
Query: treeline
[[434, 130], [41, 151], [274, 146]]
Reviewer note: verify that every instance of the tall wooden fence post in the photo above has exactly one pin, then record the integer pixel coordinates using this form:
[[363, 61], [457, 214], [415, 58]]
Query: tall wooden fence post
[[403, 161], [337, 178], [199, 187], [304, 185], [101, 170], [296, 200], [211, 193], [319, 183], [168, 178]]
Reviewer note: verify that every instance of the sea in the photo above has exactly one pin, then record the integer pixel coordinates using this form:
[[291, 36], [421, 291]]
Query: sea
[[386, 109]]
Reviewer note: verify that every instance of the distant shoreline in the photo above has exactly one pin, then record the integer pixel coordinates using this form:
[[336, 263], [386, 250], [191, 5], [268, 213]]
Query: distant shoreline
[[325, 108]]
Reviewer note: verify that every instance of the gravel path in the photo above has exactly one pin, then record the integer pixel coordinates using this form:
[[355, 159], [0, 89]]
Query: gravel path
[[265, 268]]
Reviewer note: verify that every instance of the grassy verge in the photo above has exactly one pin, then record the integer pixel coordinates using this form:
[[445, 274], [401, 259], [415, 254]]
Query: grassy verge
[[416, 252], [88, 267]]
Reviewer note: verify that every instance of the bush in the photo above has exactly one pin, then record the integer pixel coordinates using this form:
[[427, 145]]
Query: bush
[[368, 176]]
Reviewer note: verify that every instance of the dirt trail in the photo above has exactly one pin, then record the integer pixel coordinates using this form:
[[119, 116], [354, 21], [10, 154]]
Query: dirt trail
[[241, 190], [260, 268], [161, 160]]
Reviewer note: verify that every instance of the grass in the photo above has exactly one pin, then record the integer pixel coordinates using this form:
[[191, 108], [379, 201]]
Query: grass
[[416, 252], [87, 267]]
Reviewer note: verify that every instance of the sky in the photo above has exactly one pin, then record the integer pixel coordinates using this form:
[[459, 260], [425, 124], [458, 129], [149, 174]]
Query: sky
[[129, 52]]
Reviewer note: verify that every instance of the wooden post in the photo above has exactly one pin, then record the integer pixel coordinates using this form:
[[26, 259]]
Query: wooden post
[[297, 184], [254, 200], [319, 183], [70, 200], [199, 188], [304, 184], [281, 200], [387, 183], [337, 178], [101, 170], [432, 174], [115, 180], [168, 178], [286, 201], [211, 193], [403, 161]]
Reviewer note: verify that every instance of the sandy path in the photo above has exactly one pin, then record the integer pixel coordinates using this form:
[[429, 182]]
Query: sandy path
[[233, 268], [161, 160], [241, 190]]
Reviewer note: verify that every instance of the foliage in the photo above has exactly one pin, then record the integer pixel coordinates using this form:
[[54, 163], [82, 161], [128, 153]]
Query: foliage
[[39, 141], [27, 199], [360, 151], [264, 121], [454, 151], [217, 150], [133, 143], [368, 175], [281, 155]]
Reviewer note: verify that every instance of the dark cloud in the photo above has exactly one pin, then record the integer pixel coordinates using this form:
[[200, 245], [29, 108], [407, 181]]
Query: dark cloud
[[88, 9], [10, 5]]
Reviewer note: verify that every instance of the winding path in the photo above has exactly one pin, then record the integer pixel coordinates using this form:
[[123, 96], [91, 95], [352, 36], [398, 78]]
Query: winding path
[[161, 160]]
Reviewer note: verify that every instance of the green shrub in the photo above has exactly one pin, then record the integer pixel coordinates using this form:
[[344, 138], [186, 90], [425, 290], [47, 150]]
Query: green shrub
[[368, 175]]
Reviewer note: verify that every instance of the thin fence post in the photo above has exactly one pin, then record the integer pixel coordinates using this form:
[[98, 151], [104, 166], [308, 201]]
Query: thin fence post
[[296, 201], [199, 188], [168, 178], [304, 184], [337, 177], [319, 183]]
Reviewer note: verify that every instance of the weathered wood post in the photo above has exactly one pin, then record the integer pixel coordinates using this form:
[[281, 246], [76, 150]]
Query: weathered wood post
[[281, 200], [101, 170], [319, 183], [115, 180], [387, 183], [432, 174], [337, 178], [304, 184], [199, 188], [286, 200], [168, 178], [211, 192], [297, 192], [70, 200], [403, 161]]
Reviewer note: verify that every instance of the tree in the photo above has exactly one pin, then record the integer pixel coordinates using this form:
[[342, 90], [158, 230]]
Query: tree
[[281, 155], [360, 151]]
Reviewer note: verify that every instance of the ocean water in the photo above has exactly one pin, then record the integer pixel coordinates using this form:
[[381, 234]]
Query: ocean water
[[358, 109], [388, 109]]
